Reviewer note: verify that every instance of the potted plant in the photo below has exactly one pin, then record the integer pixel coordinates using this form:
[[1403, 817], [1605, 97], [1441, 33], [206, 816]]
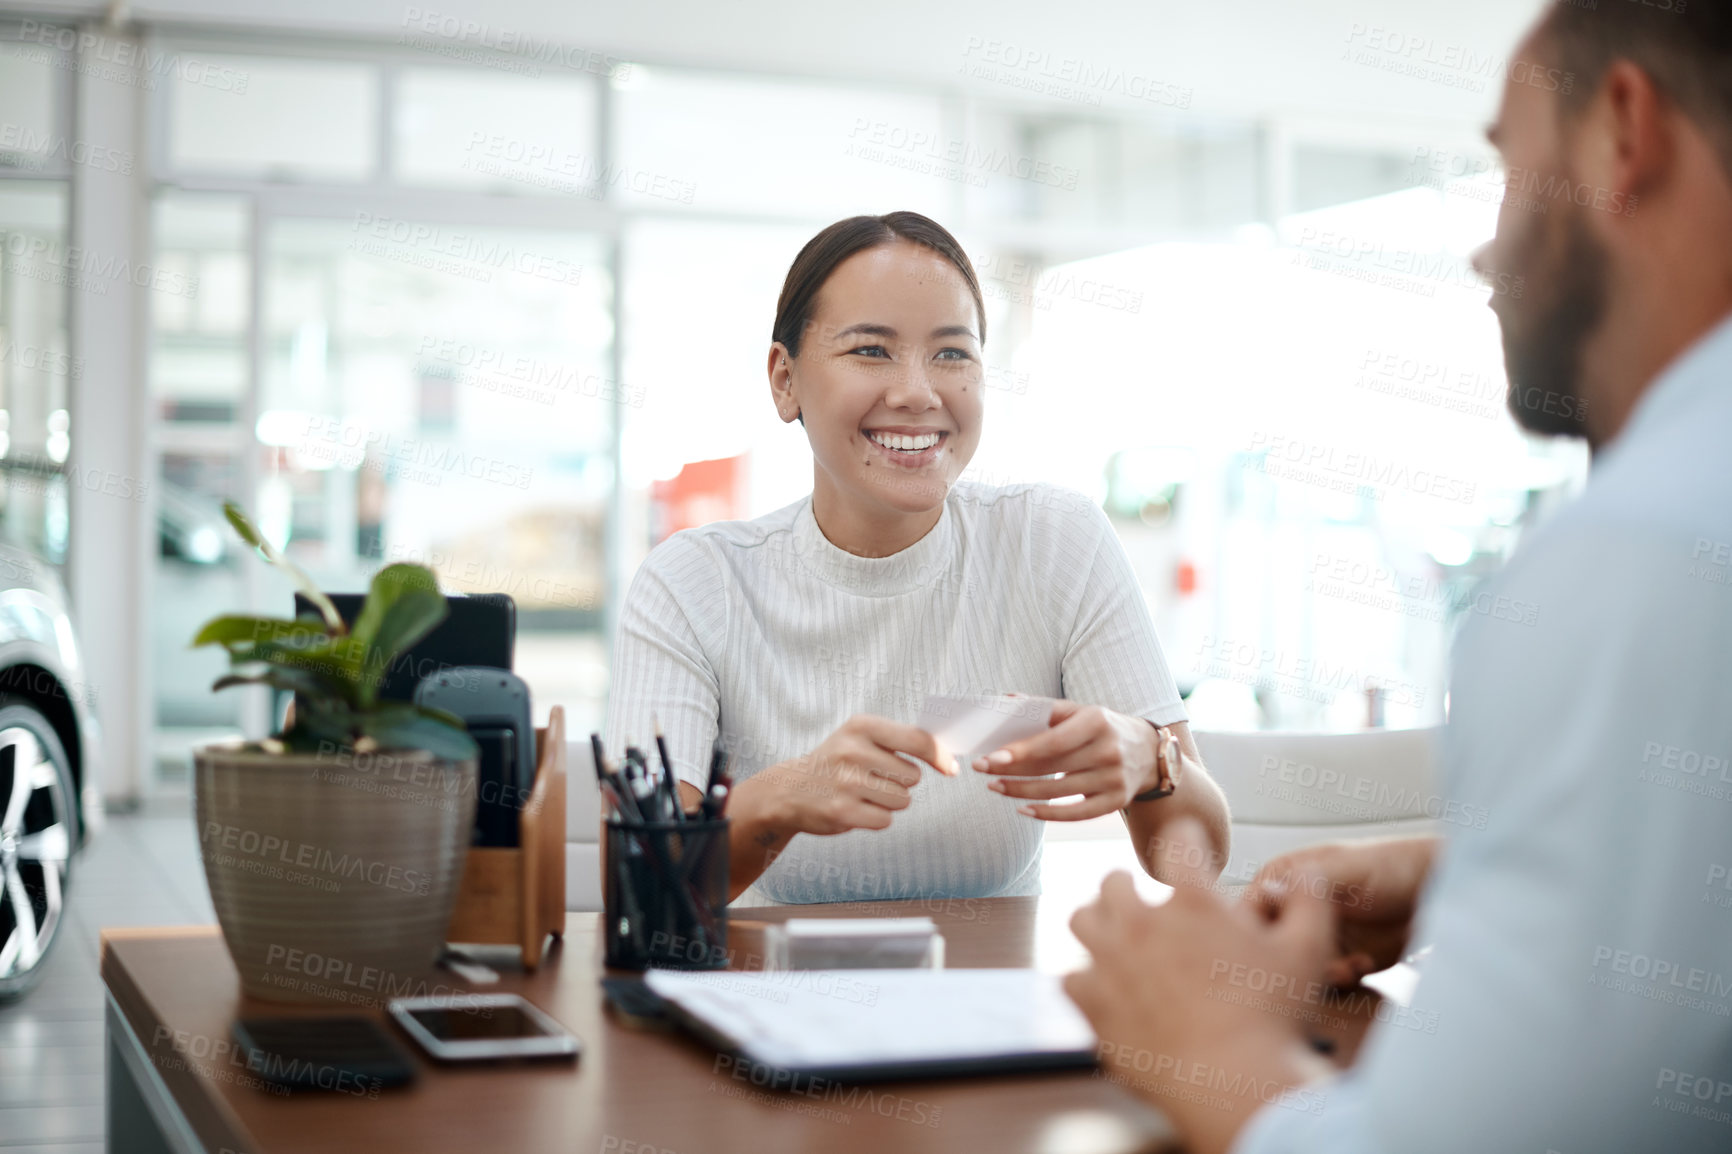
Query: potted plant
[[334, 849]]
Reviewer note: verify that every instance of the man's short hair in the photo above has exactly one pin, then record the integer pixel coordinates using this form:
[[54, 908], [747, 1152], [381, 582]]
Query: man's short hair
[[1685, 46]]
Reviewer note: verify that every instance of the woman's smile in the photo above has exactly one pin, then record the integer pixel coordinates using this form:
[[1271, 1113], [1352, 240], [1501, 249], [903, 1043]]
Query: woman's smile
[[906, 446]]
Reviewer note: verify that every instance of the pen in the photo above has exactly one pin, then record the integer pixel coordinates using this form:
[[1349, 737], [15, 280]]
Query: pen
[[599, 751], [718, 764], [643, 785], [624, 798], [609, 794], [659, 786], [627, 799], [673, 785], [612, 788], [631, 789]]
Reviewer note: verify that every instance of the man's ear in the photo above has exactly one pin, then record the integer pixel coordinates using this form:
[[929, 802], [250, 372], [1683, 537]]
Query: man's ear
[[781, 366], [1636, 148]]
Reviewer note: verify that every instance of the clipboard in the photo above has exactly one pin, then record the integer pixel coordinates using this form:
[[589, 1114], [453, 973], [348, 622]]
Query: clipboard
[[881, 1025]]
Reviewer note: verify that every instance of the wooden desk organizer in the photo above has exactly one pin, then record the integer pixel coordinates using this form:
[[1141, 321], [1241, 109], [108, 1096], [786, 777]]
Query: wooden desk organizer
[[517, 896]]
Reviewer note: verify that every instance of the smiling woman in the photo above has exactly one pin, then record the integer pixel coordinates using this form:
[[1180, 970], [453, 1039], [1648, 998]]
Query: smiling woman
[[890, 369], [809, 639]]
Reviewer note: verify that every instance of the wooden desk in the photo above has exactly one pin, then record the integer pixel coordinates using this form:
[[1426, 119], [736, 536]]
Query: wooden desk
[[175, 1083]]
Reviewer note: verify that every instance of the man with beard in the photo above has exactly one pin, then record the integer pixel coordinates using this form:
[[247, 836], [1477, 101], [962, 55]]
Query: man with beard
[[1578, 996]]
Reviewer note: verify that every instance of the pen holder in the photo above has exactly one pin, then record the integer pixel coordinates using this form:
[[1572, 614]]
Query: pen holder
[[665, 893]]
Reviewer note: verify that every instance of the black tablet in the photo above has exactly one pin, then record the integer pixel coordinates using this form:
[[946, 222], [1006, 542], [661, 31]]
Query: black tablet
[[479, 629]]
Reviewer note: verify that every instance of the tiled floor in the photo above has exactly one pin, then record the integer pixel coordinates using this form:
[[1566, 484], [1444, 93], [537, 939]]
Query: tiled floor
[[140, 870], [144, 870]]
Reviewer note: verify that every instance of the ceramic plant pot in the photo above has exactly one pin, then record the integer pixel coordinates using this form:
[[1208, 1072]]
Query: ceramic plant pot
[[333, 874]]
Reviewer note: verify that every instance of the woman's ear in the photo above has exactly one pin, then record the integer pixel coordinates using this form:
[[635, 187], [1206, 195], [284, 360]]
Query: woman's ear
[[781, 368]]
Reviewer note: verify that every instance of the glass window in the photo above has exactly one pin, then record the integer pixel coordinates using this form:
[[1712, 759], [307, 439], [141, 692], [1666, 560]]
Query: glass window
[[1087, 170], [1189, 182], [198, 367], [201, 571], [765, 147], [441, 394], [1323, 176], [1307, 510], [273, 117], [502, 133], [36, 367], [704, 395], [198, 379], [29, 137]]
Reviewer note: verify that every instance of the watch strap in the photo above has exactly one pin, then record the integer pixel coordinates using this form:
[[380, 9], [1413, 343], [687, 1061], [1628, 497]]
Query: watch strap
[[1166, 766]]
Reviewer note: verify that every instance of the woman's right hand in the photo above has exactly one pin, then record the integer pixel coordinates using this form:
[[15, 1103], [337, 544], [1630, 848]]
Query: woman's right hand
[[853, 780]]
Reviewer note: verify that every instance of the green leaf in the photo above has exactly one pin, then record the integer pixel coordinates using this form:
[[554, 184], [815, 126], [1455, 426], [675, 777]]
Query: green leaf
[[304, 583], [321, 724], [240, 629], [411, 727], [293, 681], [403, 605], [244, 528], [338, 664]]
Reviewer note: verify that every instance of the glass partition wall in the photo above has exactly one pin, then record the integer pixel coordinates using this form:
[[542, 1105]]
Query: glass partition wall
[[36, 283]]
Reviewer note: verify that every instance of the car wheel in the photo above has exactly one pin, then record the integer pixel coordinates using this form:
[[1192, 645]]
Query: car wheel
[[37, 833]]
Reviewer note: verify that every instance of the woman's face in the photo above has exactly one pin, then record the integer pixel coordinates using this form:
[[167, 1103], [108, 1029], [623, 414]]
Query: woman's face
[[889, 381]]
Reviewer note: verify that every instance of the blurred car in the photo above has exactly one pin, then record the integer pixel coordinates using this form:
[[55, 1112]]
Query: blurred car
[[49, 801]]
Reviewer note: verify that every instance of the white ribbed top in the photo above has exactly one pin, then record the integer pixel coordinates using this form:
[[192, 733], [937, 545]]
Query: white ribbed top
[[771, 633]]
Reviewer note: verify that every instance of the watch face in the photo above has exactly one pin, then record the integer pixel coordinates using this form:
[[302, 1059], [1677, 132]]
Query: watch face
[[1167, 761]]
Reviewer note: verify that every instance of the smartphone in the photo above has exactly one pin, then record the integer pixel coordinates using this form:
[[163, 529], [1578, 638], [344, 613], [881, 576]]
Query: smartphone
[[344, 1054], [482, 1028]]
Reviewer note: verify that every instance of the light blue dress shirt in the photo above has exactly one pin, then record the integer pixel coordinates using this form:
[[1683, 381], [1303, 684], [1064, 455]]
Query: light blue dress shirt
[[1581, 980]]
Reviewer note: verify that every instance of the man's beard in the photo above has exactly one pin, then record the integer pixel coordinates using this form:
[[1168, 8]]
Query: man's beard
[[1544, 357]]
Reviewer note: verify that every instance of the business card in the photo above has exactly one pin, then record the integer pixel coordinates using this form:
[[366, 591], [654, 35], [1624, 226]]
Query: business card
[[971, 727]]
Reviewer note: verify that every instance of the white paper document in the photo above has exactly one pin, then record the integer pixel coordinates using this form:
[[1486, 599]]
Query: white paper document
[[971, 727], [849, 1019]]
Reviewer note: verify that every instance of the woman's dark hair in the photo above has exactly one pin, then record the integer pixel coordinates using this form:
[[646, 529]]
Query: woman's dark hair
[[842, 240]]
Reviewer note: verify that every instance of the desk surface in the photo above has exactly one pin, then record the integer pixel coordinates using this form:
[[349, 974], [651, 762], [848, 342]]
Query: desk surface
[[632, 1091]]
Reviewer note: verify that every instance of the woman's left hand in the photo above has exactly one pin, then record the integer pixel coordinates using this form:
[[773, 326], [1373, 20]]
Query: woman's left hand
[[1106, 757]]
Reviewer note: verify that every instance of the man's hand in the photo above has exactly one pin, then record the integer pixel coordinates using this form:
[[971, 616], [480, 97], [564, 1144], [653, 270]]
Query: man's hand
[[1171, 995], [1373, 885]]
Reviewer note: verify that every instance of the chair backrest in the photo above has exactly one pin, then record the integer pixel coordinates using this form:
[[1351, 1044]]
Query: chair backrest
[[1288, 790], [582, 830]]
